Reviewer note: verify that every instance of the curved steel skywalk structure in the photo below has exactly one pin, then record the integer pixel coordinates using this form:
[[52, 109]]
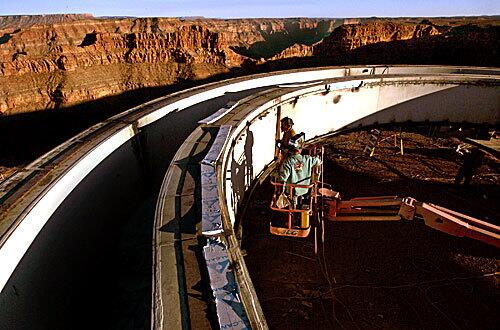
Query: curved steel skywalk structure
[[64, 218]]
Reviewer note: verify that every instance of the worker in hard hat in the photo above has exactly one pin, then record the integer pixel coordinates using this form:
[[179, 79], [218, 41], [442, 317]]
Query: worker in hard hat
[[288, 133], [472, 158], [297, 168]]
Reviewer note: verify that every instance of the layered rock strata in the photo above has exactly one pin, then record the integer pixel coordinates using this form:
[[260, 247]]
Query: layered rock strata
[[352, 36], [403, 43], [63, 64], [24, 21], [106, 63], [387, 42]]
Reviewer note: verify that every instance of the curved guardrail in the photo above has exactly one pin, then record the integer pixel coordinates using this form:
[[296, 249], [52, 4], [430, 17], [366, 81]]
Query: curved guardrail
[[319, 110], [33, 196]]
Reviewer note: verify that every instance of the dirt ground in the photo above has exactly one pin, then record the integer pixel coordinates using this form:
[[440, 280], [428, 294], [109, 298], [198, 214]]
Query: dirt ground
[[389, 275]]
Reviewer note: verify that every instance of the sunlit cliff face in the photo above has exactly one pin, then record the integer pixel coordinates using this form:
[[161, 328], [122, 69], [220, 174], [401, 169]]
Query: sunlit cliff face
[[61, 64]]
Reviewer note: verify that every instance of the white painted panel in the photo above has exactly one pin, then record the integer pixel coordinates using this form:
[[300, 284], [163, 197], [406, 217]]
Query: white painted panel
[[21, 238], [322, 113]]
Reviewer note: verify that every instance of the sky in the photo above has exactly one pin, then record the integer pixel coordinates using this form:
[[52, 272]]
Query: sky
[[255, 8]]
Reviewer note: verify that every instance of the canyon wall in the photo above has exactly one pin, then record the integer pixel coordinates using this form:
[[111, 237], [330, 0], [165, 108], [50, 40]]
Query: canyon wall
[[352, 36], [393, 42], [67, 61], [63, 64], [24, 21], [296, 50], [403, 43], [61, 74]]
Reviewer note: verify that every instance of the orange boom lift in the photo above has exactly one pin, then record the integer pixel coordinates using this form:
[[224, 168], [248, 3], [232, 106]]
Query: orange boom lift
[[322, 202]]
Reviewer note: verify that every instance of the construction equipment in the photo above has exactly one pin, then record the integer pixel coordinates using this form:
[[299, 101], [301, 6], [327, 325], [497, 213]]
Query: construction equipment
[[394, 208], [305, 211], [376, 139], [321, 202], [380, 208], [298, 209]]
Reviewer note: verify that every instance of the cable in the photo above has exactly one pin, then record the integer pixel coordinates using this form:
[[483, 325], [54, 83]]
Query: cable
[[324, 270], [322, 259]]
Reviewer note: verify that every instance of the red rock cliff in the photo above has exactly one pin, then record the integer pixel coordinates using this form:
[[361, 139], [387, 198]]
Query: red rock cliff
[[408, 43], [61, 64], [65, 63], [61, 72], [23, 21], [352, 36]]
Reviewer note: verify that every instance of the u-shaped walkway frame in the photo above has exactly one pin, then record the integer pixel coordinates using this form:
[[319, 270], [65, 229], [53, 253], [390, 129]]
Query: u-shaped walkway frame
[[321, 101], [318, 109]]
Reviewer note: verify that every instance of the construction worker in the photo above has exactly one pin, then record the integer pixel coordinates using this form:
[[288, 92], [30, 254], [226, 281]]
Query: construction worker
[[472, 160], [297, 168], [288, 133]]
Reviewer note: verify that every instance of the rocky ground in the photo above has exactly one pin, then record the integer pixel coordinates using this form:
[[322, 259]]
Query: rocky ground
[[384, 274]]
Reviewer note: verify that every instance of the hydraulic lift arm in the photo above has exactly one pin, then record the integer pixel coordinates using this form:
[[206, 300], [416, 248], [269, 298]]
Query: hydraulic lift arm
[[393, 208], [457, 224]]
